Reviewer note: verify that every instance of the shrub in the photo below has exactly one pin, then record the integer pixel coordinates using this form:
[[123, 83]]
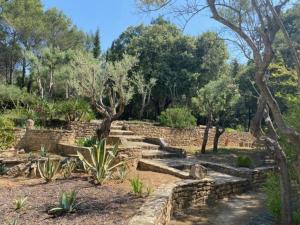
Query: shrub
[[272, 190], [43, 152], [296, 218], [20, 203], [102, 161], [244, 161], [66, 204], [48, 169], [177, 118], [7, 136], [86, 142], [137, 186], [75, 110]]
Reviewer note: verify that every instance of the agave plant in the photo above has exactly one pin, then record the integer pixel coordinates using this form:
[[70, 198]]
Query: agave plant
[[102, 161], [20, 203], [66, 204], [48, 169], [68, 168]]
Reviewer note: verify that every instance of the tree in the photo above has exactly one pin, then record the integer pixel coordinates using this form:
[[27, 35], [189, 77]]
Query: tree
[[216, 101], [143, 88], [97, 48], [44, 68], [107, 84], [25, 18], [60, 32]]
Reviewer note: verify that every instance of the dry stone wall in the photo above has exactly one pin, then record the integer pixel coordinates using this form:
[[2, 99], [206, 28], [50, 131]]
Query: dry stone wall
[[34, 139], [192, 136]]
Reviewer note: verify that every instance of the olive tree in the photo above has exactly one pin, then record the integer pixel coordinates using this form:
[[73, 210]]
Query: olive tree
[[107, 85], [216, 100]]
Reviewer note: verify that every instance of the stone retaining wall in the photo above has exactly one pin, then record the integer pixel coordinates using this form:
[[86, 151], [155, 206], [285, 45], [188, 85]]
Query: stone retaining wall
[[83, 129], [33, 140], [169, 198], [192, 136]]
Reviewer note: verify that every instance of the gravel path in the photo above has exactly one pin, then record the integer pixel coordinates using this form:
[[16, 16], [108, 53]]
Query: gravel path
[[244, 209]]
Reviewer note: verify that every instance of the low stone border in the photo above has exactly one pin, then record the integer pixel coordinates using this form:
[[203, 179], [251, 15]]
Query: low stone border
[[150, 165], [169, 198]]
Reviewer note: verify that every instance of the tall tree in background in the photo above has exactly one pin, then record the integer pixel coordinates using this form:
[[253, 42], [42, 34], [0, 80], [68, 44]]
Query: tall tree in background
[[97, 48], [25, 17]]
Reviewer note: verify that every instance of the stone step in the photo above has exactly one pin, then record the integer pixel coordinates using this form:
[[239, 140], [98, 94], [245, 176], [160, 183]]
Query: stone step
[[116, 127], [157, 154], [145, 146], [131, 138], [121, 132]]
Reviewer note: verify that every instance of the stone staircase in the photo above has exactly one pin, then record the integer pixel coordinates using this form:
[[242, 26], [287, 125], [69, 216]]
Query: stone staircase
[[149, 150]]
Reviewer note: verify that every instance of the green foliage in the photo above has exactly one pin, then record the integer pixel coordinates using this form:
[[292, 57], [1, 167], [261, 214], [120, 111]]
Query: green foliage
[[43, 152], [86, 141], [272, 190], [244, 161], [296, 218], [20, 203], [102, 160], [68, 168], [75, 110], [137, 186], [217, 97], [48, 169], [66, 204], [7, 136], [177, 118]]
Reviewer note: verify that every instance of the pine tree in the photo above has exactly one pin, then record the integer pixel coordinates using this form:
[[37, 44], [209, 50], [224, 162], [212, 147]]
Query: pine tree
[[97, 49]]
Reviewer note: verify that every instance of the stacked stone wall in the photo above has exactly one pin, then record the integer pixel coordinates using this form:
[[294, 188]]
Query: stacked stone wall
[[192, 136], [33, 140]]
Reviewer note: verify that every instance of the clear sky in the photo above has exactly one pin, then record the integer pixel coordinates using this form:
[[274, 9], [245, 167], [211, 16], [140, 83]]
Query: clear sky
[[112, 17]]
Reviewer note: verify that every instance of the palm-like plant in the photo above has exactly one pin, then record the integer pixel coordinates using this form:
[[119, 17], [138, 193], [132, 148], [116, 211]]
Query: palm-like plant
[[48, 169], [67, 203], [102, 161]]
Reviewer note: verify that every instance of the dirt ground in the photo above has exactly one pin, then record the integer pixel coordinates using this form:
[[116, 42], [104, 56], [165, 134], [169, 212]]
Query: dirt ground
[[111, 203]]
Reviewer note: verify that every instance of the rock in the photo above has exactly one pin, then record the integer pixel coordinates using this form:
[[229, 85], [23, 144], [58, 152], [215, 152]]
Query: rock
[[198, 172], [30, 124], [21, 151]]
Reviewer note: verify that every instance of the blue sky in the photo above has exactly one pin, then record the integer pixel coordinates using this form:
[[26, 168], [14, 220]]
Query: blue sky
[[112, 17]]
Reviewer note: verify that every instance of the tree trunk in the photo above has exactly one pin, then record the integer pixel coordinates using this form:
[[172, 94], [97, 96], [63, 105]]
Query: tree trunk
[[219, 132], [206, 133], [141, 112], [285, 184], [104, 128], [23, 72]]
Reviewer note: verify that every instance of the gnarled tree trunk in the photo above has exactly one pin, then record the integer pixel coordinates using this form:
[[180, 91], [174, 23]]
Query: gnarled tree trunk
[[104, 128], [219, 132]]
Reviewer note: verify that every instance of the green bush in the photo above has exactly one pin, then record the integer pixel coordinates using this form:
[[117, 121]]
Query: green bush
[[75, 110], [244, 161], [177, 118], [7, 136], [272, 190], [86, 142], [296, 218]]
